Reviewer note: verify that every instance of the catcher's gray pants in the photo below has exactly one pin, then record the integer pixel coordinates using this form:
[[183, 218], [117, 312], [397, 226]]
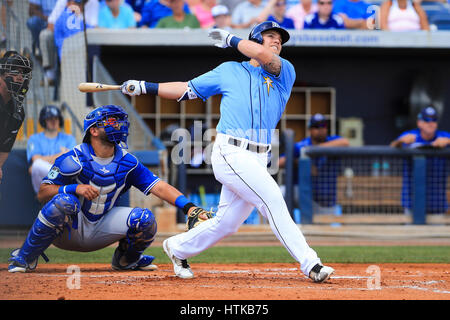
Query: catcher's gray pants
[[92, 236]]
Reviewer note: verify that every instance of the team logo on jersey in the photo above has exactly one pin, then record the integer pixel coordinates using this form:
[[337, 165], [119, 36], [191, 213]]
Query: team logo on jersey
[[104, 170], [268, 82], [54, 172]]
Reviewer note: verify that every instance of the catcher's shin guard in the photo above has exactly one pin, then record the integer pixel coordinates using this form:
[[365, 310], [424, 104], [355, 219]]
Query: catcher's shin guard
[[140, 235], [49, 223]]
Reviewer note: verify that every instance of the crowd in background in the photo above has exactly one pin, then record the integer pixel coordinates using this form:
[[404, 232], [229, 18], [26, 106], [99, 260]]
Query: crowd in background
[[52, 21]]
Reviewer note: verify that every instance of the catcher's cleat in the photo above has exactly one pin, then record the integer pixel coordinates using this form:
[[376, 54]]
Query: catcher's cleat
[[144, 263], [320, 273], [18, 263], [180, 266]]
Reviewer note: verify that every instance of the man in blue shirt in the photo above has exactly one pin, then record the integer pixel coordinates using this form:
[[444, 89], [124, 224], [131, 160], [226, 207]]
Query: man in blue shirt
[[353, 12], [324, 17], [43, 148], [324, 171], [254, 96], [39, 11], [155, 10], [426, 135], [116, 15], [70, 22]]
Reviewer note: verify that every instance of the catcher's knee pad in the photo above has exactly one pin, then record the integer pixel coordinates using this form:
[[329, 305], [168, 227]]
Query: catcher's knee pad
[[141, 228], [54, 212]]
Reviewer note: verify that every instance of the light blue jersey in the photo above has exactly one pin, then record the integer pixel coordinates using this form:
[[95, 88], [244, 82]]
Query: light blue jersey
[[39, 144], [253, 100]]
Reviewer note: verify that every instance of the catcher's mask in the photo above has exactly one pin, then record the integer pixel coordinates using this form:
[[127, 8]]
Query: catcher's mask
[[256, 33], [16, 70], [113, 119]]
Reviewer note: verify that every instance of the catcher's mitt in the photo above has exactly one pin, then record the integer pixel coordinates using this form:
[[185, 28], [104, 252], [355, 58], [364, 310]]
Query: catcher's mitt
[[197, 216]]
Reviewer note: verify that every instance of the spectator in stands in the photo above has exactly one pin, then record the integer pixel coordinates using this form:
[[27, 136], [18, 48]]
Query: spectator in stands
[[222, 17], [403, 15], [179, 19], [299, 11], [69, 23], [354, 12], [246, 13], [137, 6], [202, 11], [43, 148], [230, 4], [275, 11], [39, 10], [324, 171], [47, 36], [15, 75], [155, 10], [324, 17], [426, 135], [116, 15], [3, 17]]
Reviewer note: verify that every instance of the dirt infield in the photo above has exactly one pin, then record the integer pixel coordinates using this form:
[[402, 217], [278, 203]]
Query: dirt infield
[[229, 282]]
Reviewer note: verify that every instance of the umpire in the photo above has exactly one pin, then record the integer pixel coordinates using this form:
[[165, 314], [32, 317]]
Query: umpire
[[15, 76]]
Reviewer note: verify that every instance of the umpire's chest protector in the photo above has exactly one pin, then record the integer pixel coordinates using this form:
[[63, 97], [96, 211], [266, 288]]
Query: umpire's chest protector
[[109, 179]]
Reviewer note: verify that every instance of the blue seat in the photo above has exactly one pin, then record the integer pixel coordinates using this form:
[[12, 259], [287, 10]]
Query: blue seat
[[441, 21], [433, 8]]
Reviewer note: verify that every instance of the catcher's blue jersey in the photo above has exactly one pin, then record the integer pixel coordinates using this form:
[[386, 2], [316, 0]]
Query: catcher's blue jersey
[[112, 177], [253, 100]]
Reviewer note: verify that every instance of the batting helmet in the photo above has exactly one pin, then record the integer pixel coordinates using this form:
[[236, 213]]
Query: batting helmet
[[11, 64], [113, 119], [256, 33], [48, 112]]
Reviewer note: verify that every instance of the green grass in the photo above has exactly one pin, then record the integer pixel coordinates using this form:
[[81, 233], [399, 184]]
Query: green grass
[[328, 254]]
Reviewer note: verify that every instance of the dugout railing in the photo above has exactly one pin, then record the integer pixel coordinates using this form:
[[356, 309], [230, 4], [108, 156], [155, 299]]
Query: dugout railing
[[370, 184]]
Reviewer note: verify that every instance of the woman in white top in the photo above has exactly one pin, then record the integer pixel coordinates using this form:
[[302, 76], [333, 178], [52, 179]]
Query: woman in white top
[[403, 15]]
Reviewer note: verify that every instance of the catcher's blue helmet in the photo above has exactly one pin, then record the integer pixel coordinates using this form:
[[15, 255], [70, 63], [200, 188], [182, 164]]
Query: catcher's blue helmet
[[256, 33], [48, 112], [113, 119]]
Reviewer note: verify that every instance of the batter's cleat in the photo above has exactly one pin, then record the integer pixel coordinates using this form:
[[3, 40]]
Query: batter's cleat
[[180, 266], [18, 263], [320, 273], [144, 263]]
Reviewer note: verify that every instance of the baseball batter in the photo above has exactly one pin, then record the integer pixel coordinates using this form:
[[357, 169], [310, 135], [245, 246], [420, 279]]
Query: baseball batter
[[254, 95], [81, 191]]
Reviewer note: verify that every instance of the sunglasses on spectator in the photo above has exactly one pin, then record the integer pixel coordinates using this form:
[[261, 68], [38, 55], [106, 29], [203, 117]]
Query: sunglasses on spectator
[[280, 4], [326, 2]]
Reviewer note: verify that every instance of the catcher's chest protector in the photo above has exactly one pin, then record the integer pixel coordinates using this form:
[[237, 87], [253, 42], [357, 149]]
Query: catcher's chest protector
[[109, 179]]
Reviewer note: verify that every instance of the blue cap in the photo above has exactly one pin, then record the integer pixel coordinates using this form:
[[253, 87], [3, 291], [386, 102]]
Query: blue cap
[[317, 120], [428, 114]]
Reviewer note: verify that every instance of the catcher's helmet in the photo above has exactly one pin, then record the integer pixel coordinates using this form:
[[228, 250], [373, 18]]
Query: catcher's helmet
[[113, 119], [48, 112], [14, 63], [256, 33]]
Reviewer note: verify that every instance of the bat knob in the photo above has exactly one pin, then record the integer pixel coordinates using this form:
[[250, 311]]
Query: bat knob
[[131, 88]]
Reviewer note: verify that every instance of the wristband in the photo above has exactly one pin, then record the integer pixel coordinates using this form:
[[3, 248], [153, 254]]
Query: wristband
[[234, 41], [151, 87], [181, 201], [70, 188]]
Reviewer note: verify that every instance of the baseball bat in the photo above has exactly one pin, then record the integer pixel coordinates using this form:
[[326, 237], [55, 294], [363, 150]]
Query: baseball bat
[[98, 87]]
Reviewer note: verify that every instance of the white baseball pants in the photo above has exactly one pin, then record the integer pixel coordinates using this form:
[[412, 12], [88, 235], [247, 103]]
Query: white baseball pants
[[246, 184]]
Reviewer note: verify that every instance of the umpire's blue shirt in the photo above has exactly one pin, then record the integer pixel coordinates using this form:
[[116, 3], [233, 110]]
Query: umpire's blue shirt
[[253, 100]]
